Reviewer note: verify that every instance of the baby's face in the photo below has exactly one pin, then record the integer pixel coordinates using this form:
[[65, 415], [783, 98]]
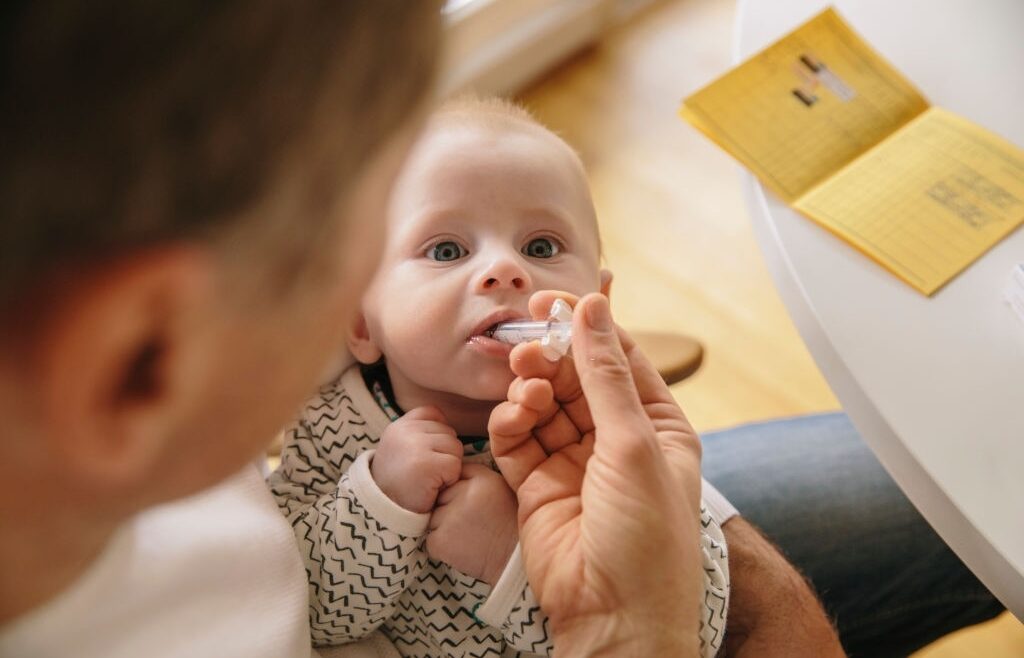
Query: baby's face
[[479, 220]]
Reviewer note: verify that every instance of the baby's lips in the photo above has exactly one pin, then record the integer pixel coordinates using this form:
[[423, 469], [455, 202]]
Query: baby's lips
[[487, 325]]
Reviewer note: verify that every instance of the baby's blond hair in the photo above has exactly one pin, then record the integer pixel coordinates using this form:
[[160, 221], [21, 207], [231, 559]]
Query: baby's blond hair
[[495, 113], [491, 110]]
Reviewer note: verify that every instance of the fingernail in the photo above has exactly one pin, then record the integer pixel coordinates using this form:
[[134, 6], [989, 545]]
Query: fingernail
[[599, 315]]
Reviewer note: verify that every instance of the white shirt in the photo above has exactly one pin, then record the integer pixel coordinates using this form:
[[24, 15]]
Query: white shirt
[[215, 574]]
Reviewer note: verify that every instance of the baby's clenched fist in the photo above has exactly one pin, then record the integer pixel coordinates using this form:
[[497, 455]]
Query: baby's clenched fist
[[418, 455], [473, 528]]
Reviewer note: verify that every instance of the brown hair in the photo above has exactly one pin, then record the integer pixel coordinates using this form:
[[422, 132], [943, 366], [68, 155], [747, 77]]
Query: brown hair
[[129, 123]]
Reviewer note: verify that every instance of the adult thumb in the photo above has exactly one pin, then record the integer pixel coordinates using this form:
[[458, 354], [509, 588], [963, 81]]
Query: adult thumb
[[606, 376]]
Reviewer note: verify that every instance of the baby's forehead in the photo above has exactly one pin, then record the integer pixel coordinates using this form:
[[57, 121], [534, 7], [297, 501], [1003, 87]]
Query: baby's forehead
[[475, 131], [496, 136], [500, 148], [452, 136], [495, 117]]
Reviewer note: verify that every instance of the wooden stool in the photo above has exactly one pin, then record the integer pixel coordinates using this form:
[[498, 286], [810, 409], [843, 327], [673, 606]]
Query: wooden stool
[[674, 355]]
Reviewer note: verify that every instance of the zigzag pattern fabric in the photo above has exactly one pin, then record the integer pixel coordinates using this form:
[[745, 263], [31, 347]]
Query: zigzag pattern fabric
[[365, 557]]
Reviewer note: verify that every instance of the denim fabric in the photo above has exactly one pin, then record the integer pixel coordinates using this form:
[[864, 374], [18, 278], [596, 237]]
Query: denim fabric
[[816, 490]]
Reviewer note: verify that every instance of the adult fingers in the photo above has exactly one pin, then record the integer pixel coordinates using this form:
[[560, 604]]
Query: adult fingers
[[531, 362], [516, 450], [528, 362], [606, 378], [650, 386], [676, 437], [541, 301], [533, 393], [554, 427]]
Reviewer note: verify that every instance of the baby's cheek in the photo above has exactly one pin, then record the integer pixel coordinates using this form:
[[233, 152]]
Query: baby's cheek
[[417, 341], [488, 383], [417, 322]]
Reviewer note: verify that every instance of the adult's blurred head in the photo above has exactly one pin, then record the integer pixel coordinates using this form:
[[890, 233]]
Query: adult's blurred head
[[191, 198]]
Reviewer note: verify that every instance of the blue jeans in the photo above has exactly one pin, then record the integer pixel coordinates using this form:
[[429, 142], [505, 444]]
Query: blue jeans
[[813, 487]]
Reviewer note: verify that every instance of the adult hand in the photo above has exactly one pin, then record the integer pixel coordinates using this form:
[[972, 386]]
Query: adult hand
[[607, 471]]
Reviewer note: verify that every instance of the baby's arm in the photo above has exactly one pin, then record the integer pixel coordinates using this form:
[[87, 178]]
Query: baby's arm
[[361, 549]]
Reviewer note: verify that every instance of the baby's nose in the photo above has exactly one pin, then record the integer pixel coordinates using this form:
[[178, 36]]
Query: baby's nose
[[503, 273]]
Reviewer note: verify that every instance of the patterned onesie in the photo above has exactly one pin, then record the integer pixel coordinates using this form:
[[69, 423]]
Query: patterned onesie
[[365, 556]]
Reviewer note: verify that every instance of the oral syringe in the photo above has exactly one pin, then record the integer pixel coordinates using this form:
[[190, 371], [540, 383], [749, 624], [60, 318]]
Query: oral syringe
[[554, 334]]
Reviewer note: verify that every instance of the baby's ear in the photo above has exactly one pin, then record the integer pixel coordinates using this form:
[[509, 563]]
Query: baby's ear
[[362, 346], [606, 282]]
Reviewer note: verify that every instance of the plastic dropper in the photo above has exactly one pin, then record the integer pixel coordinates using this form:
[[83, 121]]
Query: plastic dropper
[[554, 334]]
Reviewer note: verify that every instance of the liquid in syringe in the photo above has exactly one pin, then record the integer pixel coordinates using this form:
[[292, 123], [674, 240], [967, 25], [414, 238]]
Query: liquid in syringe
[[554, 334]]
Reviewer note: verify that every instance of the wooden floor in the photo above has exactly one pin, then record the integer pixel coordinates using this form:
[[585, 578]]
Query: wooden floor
[[676, 232]]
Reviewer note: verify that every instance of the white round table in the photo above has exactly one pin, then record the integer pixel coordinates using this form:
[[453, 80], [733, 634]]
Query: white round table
[[934, 385]]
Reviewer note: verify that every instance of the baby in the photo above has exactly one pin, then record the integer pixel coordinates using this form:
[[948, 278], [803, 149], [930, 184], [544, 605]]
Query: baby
[[402, 520]]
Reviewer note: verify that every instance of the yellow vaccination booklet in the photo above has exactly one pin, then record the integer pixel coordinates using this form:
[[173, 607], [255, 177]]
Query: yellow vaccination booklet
[[845, 139]]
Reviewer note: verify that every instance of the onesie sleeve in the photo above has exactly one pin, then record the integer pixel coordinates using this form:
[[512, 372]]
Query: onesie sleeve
[[718, 506], [361, 550], [715, 563], [513, 609]]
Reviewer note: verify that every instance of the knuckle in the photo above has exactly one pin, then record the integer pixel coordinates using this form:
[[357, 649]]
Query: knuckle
[[452, 446], [451, 468], [422, 464], [609, 363]]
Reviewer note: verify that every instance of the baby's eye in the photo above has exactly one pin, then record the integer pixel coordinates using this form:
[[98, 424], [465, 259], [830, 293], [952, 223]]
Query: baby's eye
[[541, 248], [446, 251]]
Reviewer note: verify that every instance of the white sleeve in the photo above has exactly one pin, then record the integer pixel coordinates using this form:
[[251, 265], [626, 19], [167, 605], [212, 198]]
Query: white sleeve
[[513, 609], [719, 507], [715, 605]]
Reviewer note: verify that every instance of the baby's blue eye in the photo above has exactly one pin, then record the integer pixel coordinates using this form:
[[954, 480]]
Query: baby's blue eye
[[446, 251], [541, 248]]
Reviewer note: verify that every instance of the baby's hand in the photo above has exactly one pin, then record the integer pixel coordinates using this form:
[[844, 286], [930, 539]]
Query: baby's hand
[[418, 455], [473, 529]]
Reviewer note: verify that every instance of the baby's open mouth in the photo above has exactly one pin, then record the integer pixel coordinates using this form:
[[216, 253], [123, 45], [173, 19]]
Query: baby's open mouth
[[489, 324]]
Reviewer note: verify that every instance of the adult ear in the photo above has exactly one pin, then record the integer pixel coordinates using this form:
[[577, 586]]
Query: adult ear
[[363, 347], [606, 282], [116, 360]]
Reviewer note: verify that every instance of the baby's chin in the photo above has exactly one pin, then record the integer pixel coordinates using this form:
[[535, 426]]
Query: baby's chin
[[490, 392], [487, 386]]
